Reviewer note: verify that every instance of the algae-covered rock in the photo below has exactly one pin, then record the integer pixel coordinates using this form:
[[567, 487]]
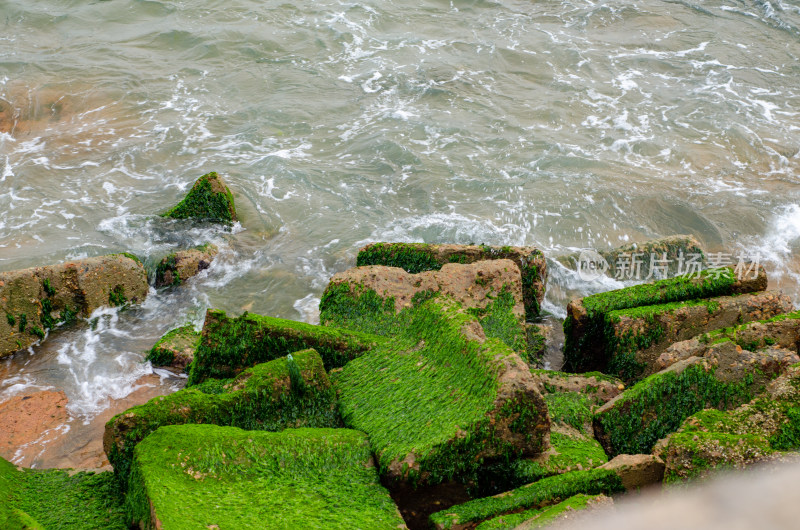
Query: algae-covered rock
[[209, 199], [752, 433], [572, 447], [546, 492], [636, 337], [175, 350], [490, 290], [587, 326], [229, 345], [270, 396], [420, 257], [545, 517], [599, 388], [32, 499], [35, 300], [204, 476], [440, 397], [725, 378], [179, 266]]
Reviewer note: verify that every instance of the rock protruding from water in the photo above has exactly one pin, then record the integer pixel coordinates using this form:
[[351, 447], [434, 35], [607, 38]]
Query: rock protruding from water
[[588, 333], [175, 350], [298, 478], [176, 268], [208, 200], [35, 300], [421, 257]]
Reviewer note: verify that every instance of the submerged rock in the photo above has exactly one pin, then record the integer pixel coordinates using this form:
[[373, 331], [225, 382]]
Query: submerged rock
[[420, 257], [31, 417], [179, 266], [209, 200], [35, 300], [725, 378], [269, 396], [587, 327], [299, 478], [439, 396], [175, 350]]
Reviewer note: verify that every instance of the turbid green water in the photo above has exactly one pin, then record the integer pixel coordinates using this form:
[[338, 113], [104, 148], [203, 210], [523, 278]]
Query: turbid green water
[[564, 124]]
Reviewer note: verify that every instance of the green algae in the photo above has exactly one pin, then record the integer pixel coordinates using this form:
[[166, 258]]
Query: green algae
[[229, 345], [203, 476], [538, 518], [116, 297], [412, 257], [413, 396], [265, 397], [604, 309], [545, 492], [658, 405], [209, 199], [163, 352], [53, 499]]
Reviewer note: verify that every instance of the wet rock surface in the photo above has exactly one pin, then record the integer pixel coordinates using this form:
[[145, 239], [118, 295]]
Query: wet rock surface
[[179, 266]]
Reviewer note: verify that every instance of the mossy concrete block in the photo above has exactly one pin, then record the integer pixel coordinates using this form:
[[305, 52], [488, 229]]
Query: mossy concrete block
[[599, 388], [561, 513], [208, 200], [420, 257], [490, 290], [33, 499], [440, 397], [176, 268], [587, 324], [267, 396], [229, 345], [781, 331], [204, 476], [639, 335], [38, 299], [728, 376], [175, 350], [546, 492], [752, 433]]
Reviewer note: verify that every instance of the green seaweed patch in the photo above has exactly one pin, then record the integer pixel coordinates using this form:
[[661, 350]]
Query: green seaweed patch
[[265, 397], [229, 345], [208, 199], [539, 518], [53, 498], [11, 320], [658, 405], [163, 352], [570, 408], [695, 447], [412, 257], [300, 478], [116, 297], [358, 308], [709, 283], [732, 333], [414, 394], [499, 321], [545, 492]]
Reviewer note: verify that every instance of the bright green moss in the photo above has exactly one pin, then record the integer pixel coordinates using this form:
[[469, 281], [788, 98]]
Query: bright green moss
[[538, 518], [499, 321], [203, 476], [657, 406], [229, 345], [705, 451], [117, 296], [615, 354], [412, 257], [163, 352], [543, 493], [788, 436], [570, 408], [209, 199], [36, 499], [264, 397], [414, 394], [739, 334]]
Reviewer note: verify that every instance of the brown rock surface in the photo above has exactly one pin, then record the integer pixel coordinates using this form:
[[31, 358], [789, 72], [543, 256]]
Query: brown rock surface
[[36, 418], [182, 265], [33, 300], [637, 471], [473, 285]]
